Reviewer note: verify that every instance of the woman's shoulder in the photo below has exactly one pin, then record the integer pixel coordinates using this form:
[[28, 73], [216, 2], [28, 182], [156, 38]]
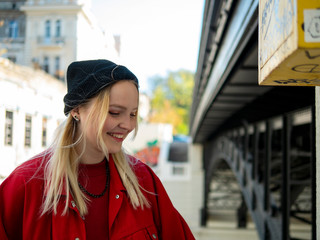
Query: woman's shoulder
[[138, 166], [32, 168], [143, 171]]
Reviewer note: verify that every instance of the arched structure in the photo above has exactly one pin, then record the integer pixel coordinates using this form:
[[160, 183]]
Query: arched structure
[[266, 135]]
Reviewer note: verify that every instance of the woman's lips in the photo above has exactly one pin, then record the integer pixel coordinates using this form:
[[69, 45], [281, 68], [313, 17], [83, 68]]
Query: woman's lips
[[117, 136]]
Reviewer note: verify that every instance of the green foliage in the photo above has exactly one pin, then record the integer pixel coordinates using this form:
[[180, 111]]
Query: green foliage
[[172, 99]]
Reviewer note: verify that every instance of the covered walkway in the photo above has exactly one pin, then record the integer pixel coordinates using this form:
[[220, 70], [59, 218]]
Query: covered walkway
[[263, 135]]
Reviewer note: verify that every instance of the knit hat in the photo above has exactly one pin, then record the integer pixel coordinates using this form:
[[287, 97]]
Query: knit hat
[[87, 78]]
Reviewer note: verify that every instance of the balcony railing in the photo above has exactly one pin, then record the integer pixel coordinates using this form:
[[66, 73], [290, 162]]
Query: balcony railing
[[7, 40], [9, 5], [44, 2], [51, 41]]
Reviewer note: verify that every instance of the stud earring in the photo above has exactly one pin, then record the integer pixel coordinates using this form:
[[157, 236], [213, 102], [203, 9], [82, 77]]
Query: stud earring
[[76, 118]]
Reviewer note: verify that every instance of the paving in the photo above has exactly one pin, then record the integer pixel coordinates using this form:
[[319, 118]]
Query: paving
[[223, 226]]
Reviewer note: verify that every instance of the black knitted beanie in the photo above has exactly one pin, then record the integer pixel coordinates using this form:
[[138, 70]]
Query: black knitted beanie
[[87, 78]]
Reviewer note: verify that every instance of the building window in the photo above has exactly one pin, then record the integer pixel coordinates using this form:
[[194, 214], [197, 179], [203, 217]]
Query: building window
[[48, 29], [178, 170], [13, 29], [12, 59], [8, 128], [46, 64], [58, 28], [44, 131], [28, 128], [57, 67]]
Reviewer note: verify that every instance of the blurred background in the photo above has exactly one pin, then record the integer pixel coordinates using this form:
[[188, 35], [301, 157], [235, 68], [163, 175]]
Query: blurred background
[[237, 158]]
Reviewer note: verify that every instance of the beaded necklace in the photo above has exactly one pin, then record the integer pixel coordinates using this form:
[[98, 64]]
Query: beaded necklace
[[105, 188]]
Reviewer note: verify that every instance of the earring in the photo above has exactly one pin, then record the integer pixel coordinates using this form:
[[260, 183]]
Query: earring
[[76, 118]]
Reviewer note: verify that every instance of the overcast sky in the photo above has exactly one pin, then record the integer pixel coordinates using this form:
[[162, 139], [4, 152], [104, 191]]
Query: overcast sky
[[157, 36]]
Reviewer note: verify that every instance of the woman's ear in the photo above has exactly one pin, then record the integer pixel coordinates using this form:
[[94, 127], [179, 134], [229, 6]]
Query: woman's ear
[[75, 112]]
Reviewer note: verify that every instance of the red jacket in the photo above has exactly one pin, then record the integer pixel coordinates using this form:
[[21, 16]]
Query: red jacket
[[21, 196]]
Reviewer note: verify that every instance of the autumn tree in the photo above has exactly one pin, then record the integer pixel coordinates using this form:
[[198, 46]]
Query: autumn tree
[[171, 99]]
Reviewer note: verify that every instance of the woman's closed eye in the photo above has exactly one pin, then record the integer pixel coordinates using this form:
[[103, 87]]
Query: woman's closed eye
[[114, 113], [132, 115]]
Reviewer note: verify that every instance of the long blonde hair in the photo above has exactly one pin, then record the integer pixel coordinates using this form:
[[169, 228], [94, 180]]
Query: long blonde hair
[[61, 171]]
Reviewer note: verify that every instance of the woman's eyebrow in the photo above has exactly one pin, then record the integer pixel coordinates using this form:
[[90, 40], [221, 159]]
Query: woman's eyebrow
[[121, 107], [117, 106]]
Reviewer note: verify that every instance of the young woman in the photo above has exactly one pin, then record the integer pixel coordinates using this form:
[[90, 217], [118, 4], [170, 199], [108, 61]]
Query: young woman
[[84, 186]]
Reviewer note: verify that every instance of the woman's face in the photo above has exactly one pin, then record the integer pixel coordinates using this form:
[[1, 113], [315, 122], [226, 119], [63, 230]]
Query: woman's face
[[121, 120]]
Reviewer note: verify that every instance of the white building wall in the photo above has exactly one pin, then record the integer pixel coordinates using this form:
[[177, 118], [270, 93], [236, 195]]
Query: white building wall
[[14, 50], [25, 91], [186, 194], [32, 31]]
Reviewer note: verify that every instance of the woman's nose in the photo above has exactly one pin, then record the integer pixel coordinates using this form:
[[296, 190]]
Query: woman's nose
[[127, 123]]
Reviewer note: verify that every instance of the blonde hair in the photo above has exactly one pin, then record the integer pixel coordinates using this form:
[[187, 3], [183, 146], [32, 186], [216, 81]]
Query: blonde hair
[[61, 171]]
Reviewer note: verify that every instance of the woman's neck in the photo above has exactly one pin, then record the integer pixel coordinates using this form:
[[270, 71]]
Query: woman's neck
[[89, 155]]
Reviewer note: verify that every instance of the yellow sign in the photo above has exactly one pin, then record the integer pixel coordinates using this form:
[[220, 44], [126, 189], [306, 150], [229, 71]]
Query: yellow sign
[[289, 42]]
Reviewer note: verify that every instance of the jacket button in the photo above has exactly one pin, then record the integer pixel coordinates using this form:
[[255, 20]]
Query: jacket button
[[73, 203], [117, 196], [77, 239], [154, 236]]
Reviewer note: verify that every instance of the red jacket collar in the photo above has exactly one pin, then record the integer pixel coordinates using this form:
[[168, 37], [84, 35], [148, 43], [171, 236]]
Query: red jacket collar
[[115, 180]]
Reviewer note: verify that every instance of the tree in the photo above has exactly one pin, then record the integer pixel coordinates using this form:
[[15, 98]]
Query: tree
[[171, 100]]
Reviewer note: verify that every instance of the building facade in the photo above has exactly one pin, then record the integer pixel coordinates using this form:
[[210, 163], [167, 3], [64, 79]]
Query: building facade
[[31, 108], [12, 30], [49, 34]]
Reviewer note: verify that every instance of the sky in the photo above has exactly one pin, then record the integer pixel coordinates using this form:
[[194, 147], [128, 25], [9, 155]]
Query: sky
[[157, 36]]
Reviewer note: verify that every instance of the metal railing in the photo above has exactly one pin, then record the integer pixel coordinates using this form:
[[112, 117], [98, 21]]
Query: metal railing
[[51, 41], [274, 164]]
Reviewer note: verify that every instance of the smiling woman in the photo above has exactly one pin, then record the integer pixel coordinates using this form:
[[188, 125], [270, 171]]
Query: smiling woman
[[123, 98], [84, 186]]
